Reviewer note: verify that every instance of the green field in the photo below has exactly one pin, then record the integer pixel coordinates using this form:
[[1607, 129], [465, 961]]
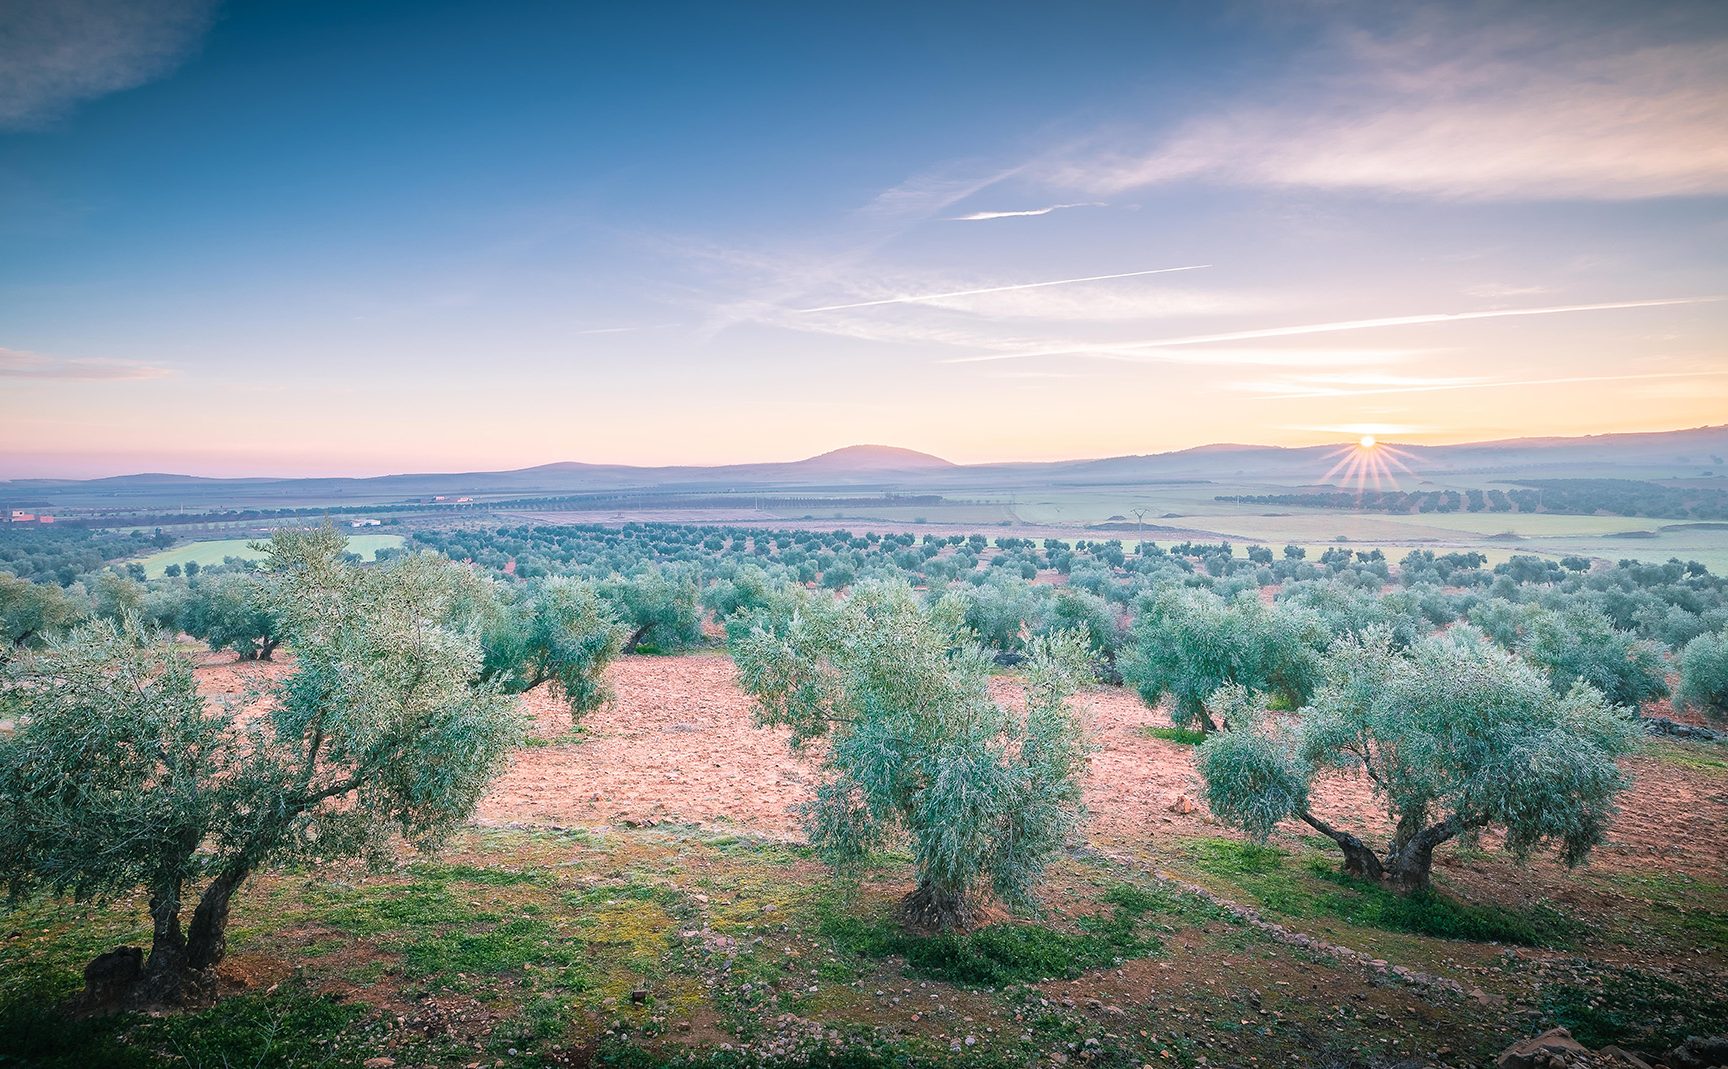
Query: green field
[[211, 553]]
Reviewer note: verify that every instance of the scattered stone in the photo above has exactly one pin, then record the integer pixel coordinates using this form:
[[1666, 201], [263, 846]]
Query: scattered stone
[[1182, 804], [1699, 1052], [1556, 1049], [1661, 725]]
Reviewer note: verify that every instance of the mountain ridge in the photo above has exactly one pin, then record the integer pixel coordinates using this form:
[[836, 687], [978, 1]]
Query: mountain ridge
[[884, 467]]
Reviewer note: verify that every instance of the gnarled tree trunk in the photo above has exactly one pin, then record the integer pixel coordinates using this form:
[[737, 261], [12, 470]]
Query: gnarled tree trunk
[[1359, 858], [181, 966], [938, 908], [1408, 864]]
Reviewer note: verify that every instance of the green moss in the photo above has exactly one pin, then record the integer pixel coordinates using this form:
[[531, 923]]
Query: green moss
[[1315, 888], [1699, 757], [1011, 952], [1185, 736], [474, 874]]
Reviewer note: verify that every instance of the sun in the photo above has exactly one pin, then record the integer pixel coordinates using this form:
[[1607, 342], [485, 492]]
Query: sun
[[1367, 441]]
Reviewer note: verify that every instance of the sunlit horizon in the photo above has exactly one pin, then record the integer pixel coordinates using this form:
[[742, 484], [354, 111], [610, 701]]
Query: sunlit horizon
[[239, 244]]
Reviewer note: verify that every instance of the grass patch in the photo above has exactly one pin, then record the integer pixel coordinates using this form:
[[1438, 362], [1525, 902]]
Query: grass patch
[[1706, 757], [1013, 952], [1315, 888], [1634, 1008], [1184, 736], [291, 1029], [476, 874]]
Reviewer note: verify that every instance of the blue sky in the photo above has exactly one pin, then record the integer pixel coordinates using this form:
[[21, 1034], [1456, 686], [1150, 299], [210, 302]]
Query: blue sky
[[351, 238]]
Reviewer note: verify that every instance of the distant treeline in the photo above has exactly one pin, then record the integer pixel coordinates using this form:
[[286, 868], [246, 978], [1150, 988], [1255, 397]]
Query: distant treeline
[[574, 502], [1580, 497]]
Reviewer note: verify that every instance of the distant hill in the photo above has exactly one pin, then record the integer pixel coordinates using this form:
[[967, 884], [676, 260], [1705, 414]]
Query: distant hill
[[873, 458], [1682, 454]]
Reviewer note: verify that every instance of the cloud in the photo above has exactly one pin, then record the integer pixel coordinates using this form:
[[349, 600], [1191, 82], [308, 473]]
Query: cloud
[[1121, 303], [1343, 325], [1450, 104], [978, 217], [926, 195], [929, 297], [1265, 357], [55, 54], [1498, 289], [1311, 388], [18, 364]]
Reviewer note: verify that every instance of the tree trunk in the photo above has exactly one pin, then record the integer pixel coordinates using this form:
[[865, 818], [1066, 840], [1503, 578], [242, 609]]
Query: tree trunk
[[1359, 859], [207, 938], [268, 647], [124, 978], [636, 638], [1410, 861], [938, 908], [165, 968]]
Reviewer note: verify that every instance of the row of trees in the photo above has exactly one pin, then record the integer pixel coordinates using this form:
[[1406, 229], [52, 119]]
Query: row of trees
[[1585, 497], [398, 710], [1456, 734]]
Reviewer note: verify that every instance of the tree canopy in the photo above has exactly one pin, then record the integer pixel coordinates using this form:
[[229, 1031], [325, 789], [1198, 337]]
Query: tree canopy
[[1455, 735], [917, 745], [120, 775], [1188, 643]]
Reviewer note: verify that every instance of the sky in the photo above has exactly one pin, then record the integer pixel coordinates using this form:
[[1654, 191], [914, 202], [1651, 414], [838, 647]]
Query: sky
[[295, 237]]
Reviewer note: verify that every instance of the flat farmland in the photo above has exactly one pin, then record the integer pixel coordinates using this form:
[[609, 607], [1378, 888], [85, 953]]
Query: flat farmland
[[214, 552]]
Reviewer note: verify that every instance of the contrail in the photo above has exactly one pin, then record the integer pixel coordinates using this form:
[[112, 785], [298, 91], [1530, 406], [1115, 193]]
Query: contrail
[[978, 217], [997, 289], [1491, 385], [1349, 324]]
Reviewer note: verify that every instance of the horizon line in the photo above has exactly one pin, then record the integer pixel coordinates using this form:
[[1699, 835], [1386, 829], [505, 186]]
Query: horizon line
[[1343, 439]]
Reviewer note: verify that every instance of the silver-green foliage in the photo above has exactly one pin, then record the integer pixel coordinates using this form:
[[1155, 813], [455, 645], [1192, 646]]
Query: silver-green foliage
[[916, 744], [1188, 643], [563, 633], [1455, 736], [1704, 675], [120, 775]]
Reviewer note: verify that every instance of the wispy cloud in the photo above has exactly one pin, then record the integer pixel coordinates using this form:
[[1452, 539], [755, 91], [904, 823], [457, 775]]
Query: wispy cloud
[[19, 364], [1542, 105], [55, 54], [1308, 389], [928, 297], [979, 217], [1342, 325], [1305, 357], [1501, 289]]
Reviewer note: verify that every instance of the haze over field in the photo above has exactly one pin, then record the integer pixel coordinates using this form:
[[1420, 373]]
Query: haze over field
[[326, 239]]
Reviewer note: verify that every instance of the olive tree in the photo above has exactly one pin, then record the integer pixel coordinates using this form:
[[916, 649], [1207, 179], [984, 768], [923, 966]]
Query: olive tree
[[120, 775], [1704, 675], [1188, 643], [1577, 642], [660, 607], [32, 612], [564, 633], [1454, 735], [236, 612], [916, 744]]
